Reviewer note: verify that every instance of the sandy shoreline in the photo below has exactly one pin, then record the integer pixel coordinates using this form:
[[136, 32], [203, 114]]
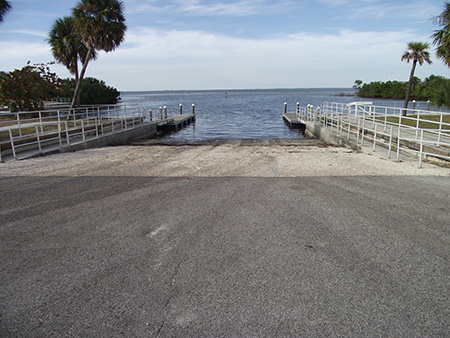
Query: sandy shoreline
[[217, 161]]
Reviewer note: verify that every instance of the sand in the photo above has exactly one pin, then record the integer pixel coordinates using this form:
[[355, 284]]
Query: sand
[[225, 160]]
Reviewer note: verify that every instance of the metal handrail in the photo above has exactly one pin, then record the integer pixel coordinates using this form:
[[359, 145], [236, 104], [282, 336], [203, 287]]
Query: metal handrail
[[369, 122]]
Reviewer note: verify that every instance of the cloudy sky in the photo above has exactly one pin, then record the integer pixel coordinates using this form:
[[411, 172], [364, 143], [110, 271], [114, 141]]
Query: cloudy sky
[[237, 44]]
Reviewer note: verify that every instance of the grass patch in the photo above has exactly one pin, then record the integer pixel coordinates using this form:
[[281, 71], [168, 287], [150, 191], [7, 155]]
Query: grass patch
[[426, 121]]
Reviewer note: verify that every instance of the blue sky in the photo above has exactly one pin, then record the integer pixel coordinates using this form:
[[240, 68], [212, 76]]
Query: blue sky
[[234, 44]]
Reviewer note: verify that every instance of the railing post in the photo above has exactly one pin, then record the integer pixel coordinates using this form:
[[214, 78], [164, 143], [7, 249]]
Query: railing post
[[82, 130], [38, 139], [318, 114], [358, 130], [428, 105], [418, 121], [390, 144], [67, 133], [374, 137], [363, 127], [181, 109], [59, 134], [421, 149], [160, 113], [11, 138], [150, 115], [165, 112], [440, 130], [298, 108]]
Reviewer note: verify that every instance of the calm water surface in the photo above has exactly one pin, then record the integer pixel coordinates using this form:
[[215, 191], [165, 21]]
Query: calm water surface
[[236, 114]]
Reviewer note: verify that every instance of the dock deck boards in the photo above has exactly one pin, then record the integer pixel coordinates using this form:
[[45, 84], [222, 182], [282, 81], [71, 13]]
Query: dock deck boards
[[292, 121]]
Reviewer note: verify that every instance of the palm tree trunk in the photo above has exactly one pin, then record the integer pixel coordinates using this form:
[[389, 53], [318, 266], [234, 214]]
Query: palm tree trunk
[[80, 79], [77, 78], [408, 91]]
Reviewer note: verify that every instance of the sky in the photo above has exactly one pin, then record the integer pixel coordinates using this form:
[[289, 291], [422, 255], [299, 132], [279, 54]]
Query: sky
[[239, 44]]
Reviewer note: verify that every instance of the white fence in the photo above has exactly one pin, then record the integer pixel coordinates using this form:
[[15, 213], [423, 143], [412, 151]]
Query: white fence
[[422, 132], [30, 130]]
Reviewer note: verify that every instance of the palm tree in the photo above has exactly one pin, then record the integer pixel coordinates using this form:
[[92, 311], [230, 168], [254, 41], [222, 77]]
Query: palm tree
[[442, 37], [5, 6], [67, 47], [101, 26], [417, 52]]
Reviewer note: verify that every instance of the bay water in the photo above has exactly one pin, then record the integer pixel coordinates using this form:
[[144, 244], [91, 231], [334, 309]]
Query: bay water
[[236, 114]]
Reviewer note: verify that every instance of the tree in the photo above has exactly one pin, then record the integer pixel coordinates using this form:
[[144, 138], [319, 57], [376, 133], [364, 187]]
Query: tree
[[442, 36], [93, 91], [5, 7], [27, 88], [357, 85], [101, 26], [67, 47], [417, 52]]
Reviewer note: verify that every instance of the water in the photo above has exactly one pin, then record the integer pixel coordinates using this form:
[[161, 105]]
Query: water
[[237, 114]]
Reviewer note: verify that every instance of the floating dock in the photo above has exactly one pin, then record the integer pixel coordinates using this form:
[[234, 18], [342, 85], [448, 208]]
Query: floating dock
[[292, 121], [177, 122]]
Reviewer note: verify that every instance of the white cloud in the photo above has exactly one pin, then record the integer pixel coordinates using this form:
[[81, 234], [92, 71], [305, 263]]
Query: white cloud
[[29, 32], [204, 8], [174, 59]]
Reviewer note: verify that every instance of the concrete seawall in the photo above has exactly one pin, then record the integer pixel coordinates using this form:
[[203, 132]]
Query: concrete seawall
[[315, 129], [120, 138]]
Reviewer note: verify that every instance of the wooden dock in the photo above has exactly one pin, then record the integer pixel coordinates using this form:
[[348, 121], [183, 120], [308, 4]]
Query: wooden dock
[[292, 121], [177, 122]]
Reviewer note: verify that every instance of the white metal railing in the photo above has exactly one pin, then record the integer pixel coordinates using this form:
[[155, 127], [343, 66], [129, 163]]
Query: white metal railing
[[65, 126], [387, 126], [31, 130]]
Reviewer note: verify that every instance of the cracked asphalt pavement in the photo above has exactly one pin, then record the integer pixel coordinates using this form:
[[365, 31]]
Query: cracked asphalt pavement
[[225, 256]]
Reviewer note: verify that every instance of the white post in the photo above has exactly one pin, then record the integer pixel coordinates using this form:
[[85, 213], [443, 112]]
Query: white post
[[150, 115], [390, 144], [82, 130], [440, 130], [160, 113], [421, 148], [67, 133], [285, 108], [165, 112], [38, 139], [193, 109], [418, 123], [59, 134], [374, 137], [298, 108], [181, 109], [11, 138]]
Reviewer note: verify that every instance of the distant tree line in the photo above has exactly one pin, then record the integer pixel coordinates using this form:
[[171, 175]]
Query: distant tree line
[[434, 88]]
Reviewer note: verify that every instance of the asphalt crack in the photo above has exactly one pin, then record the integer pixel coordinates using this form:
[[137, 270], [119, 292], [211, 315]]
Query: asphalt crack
[[175, 294]]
